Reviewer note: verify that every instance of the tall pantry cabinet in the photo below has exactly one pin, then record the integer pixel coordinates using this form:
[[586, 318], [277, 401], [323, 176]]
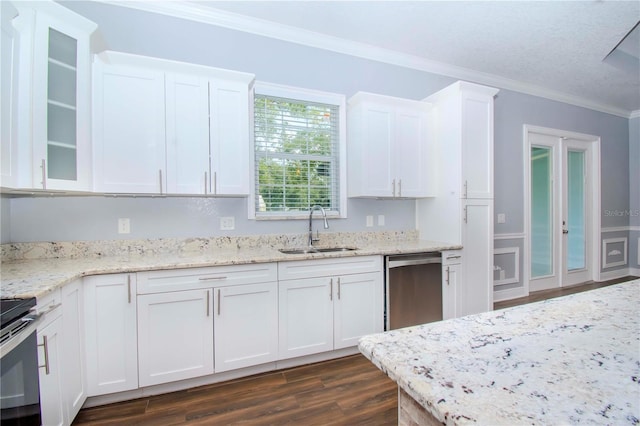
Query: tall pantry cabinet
[[462, 210]]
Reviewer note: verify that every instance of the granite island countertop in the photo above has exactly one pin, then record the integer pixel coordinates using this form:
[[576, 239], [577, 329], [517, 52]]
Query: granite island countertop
[[38, 277], [574, 359]]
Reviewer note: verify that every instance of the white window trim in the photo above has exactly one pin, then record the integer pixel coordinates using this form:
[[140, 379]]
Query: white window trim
[[310, 95]]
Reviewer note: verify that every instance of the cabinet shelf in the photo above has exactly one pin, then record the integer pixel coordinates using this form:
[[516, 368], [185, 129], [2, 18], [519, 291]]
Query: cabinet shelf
[[61, 144], [62, 64], [61, 104]]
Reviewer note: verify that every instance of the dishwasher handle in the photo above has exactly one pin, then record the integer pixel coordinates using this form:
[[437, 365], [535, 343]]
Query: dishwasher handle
[[396, 263]]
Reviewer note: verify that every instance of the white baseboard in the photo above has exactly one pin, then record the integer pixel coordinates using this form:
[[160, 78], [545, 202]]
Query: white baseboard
[[508, 294], [634, 271], [618, 273]]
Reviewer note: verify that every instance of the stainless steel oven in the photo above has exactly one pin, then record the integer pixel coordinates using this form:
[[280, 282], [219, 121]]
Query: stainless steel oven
[[19, 383], [413, 289]]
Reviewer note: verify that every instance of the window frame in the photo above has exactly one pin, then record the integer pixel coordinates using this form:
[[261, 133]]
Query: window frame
[[308, 95]]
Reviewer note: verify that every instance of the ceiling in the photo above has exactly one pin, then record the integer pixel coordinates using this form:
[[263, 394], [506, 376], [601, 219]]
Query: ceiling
[[554, 49]]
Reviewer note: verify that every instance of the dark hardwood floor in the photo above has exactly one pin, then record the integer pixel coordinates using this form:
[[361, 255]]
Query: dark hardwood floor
[[346, 391]]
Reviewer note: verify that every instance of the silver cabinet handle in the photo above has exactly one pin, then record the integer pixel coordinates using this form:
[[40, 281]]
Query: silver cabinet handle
[[43, 166], [212, 278], [160, 179], [457, 256], [208, 302], [205, 183], [466, 187], [218, 302], [465, 215], [214, 189], [45, 346], [129, 288], [331, 289], [393, 184], [400, 188], [338, 288], [448, 274]]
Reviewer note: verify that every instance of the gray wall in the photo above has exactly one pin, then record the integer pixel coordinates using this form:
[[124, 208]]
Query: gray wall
[[127, 30]]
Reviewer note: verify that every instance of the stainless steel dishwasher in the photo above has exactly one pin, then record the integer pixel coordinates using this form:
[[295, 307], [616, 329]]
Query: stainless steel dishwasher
[[413, 289]]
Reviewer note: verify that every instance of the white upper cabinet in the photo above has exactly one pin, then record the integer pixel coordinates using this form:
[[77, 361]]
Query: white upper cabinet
[[129, 129], [51, 113], [464, 134], [164, 127], [388, 147]]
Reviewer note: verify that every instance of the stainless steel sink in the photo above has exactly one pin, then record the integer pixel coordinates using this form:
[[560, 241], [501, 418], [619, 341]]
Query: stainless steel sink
[[332, 249], [308, 250]]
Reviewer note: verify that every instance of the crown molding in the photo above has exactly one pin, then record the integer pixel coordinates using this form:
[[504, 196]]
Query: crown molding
[[635, 114], [234, 21]]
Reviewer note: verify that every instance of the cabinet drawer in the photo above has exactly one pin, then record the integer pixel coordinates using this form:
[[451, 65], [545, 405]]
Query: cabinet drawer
[[328, 267], [49, 302], [195, 278], [451, 257]]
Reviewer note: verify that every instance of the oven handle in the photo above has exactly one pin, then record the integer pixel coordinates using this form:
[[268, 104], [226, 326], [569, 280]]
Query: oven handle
[[424, 261], [34, 321]]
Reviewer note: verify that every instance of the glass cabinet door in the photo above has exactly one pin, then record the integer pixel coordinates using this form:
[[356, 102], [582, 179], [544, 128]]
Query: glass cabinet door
[[61, 107]]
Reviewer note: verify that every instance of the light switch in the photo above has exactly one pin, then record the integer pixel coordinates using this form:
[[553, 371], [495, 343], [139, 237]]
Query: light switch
[[502, 218]]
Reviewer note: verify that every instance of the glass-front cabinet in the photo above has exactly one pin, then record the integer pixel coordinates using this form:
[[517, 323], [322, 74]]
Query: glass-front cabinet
[[58, 95]]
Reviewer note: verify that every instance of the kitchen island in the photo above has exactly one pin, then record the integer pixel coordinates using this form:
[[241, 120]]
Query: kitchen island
[[574, 359]]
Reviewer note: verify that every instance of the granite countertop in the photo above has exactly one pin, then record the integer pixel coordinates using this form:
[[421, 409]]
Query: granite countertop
[[574, 359], [37, 277]]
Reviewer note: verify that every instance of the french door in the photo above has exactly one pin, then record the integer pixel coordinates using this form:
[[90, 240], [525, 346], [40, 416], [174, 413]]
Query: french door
[[562, 192]]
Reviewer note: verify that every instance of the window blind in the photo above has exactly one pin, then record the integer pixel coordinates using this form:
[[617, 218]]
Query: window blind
[[296, 155]]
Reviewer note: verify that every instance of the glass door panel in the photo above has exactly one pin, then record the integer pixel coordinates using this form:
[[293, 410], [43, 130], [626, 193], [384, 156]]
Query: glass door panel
[[61, 107], [542, 244], [576, 247]]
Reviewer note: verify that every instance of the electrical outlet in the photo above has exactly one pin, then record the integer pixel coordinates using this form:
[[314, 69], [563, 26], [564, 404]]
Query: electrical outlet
[[380, 220], [502, 218], [369, 221], [124, 226], [227, 223]]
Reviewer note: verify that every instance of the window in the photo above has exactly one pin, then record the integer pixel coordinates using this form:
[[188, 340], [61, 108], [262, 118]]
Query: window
[[299, 152]]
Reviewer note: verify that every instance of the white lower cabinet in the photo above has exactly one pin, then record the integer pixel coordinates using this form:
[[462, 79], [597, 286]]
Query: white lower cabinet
[[175, 336], [245, 325], [74, 385], [111, 333], [306, 317], [331, 310], [451, 283], [477, 237], [50, 356], [61, 355]]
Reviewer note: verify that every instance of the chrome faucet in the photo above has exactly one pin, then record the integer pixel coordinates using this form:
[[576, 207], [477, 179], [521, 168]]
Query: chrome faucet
[[326, 224]]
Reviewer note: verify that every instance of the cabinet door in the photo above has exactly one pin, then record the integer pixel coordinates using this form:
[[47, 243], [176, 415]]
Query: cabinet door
[[477, 145], [451, 282], [358, 308], [110, 333], [246, 325], [61, 101], [129, 129], [187, 118], [175, 336], [75, 392], [475, 295], [229, 137], [9, 64], [305, 317], [378, 170], [50, 356], [410, 151]]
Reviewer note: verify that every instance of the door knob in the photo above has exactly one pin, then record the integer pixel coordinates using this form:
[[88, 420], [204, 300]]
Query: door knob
[[565, 231]]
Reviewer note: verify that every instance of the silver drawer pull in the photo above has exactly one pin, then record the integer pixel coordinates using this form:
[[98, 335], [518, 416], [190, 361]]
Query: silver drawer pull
[[212, 278], [454, 257]]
